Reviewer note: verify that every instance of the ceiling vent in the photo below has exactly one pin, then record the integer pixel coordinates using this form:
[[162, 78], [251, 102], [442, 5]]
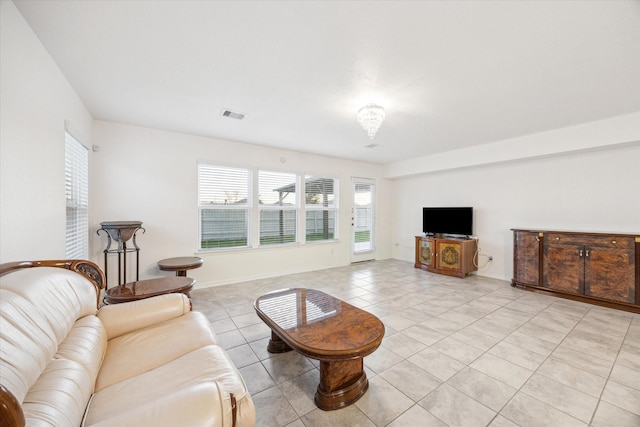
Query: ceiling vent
[[233, 115]]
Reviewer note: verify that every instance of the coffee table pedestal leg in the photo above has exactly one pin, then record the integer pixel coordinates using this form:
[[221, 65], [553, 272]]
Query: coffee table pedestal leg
[[276, 345], [341, 384]]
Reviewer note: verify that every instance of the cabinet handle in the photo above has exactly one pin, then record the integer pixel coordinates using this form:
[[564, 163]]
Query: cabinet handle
[[581, 252], [587, 252]]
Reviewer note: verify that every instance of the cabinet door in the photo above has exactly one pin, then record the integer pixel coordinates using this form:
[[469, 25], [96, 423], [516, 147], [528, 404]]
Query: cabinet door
[[610, 273], [426, 252], [449, 255], [526, 257], [563, 266]]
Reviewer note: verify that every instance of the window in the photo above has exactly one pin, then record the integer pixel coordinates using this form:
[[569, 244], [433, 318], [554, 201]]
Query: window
[[321, 205], [247, 207], [76, 184], [278, 207], [224, 205]]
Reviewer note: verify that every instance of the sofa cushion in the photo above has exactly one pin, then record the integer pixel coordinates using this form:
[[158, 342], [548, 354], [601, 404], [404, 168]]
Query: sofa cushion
[[38, 307], [203, 365], [25, 346], [61, 296], [199, 405], [59, 397], [154, 346], [86, 344]]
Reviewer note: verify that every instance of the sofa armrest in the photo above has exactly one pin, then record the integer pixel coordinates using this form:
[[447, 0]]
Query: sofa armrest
[[119, 319]]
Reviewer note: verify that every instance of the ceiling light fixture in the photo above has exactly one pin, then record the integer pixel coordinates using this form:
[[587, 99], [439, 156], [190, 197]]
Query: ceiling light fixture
[[370, 118]]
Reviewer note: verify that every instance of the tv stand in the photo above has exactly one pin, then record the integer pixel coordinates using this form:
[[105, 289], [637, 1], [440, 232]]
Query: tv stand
[[446, 255]]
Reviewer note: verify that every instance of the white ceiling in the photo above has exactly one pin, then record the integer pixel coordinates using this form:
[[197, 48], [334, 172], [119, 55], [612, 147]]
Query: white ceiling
[[449, 74]]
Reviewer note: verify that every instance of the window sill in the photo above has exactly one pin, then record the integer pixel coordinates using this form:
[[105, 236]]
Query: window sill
[[221, 251]]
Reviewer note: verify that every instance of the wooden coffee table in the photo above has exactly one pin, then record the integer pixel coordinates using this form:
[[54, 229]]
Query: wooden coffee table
[[148, 288], [325, 328]]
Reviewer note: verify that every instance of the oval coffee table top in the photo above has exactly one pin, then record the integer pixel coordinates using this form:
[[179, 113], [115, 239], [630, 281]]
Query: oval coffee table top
[[319, 325], [148, 288]]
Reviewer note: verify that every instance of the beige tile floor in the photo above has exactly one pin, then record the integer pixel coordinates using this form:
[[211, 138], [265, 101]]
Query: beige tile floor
[[457, 352]]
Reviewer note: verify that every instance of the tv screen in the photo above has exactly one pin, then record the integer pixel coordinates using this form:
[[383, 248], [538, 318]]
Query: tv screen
[[447, 221]]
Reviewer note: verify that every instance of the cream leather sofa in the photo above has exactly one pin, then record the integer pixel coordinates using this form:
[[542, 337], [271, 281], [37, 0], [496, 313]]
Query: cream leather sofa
[[64, 362]]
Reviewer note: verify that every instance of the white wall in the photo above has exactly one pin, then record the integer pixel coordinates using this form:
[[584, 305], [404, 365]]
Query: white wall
[[150, 175], [35, 102], [587, 191]]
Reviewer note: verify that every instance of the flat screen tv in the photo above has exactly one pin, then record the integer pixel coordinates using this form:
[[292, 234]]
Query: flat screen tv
[[454, 220]]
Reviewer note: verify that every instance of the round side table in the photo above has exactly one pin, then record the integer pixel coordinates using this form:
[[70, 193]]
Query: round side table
[[180, 264]]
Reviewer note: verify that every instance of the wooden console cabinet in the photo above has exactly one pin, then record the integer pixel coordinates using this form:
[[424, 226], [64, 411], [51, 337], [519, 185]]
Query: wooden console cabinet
[[600, 268], [453, 257]]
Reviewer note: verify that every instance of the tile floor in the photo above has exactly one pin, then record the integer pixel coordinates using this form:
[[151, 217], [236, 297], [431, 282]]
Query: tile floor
[[457, 352]]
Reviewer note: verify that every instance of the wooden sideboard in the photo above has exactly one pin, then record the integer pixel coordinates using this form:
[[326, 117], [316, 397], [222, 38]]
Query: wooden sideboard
[[600, 268], [450, 256]]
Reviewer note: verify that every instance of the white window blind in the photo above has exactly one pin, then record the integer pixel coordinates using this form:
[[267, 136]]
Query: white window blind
[[76, 180], [321, 205], [224, 205], [278, 207]]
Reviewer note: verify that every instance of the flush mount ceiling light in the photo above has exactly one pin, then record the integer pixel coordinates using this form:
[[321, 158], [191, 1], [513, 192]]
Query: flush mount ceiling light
[[370, 118]]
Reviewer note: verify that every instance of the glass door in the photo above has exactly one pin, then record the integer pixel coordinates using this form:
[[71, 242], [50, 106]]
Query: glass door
[[363, 220]]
